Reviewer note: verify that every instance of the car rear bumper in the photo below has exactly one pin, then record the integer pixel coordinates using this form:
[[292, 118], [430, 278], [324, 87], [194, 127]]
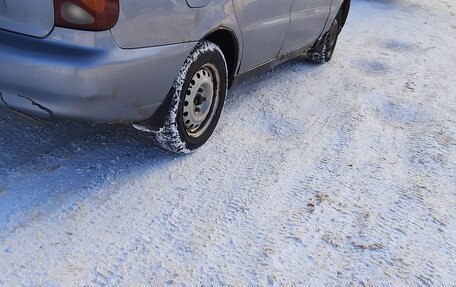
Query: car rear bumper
[[85, 75]]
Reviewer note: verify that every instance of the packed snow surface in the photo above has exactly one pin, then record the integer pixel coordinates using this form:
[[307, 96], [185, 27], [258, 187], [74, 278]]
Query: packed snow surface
[[334, 174]]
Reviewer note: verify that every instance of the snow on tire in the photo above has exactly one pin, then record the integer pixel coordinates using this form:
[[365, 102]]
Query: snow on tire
[[204, 79], [324, 52]]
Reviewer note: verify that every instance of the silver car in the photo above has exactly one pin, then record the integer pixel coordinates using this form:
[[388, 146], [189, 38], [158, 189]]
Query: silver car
[[162, 65]]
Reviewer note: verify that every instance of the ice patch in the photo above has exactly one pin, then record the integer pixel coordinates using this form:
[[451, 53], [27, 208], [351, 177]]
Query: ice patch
[[397, 45], [373, 66]]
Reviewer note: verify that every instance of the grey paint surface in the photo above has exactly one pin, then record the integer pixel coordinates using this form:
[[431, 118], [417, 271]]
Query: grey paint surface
[[264, 25], [31, 17], [261, 25], [162, 22], [78, 74], [125, 74], [335, 6], [308, 18]]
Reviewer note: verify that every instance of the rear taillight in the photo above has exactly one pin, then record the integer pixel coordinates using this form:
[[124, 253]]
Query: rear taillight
[[93, 15]]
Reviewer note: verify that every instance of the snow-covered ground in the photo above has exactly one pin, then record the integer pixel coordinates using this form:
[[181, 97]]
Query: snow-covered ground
[[318, 175]]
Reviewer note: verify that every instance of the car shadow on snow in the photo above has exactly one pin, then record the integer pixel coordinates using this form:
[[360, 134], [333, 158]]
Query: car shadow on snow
[[49, 167], [63, 162]]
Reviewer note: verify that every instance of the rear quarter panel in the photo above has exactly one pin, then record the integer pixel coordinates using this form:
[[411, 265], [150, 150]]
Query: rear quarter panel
[[146, 23], [335, 7], [31, 17]]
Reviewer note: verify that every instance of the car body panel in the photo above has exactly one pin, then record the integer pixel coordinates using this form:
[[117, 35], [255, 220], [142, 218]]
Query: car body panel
[[308, 18], [30, 17], [124, 74], [163, 22], [264, 25], [77, 74]]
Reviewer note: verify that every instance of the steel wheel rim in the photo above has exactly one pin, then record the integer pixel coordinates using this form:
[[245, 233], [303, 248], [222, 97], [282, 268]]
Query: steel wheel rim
[[201, 100]]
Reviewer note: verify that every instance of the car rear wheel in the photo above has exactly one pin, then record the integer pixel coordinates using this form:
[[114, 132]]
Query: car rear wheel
[[198, 96]]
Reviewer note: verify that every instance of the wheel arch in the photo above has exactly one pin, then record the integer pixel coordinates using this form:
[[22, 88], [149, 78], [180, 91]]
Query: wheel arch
[[228, 42]]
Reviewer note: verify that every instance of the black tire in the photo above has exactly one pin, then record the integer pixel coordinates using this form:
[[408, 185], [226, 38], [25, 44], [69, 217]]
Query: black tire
[[324, 51], [175, 134], [331, 41]]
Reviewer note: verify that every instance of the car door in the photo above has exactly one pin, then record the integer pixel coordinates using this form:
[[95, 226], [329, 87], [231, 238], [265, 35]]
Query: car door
[[308, 18], [264, 25]]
